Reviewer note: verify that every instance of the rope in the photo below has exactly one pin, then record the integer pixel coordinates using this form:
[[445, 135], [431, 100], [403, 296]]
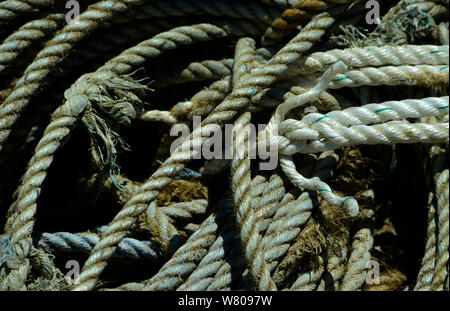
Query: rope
[[264, 231], [27, 35], [429, 258], [198, 71], [48, 58], [355, 275], [353, 130], [85, 242], [290, 19], [373, 56], [440, 271], [12, 9], [441, 33], [149, 191], [78, 100], [187, 257], [246, 217], [307, 281]]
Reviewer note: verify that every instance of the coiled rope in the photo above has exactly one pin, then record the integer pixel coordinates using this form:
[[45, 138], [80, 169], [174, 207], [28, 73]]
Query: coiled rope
[[325, 88]]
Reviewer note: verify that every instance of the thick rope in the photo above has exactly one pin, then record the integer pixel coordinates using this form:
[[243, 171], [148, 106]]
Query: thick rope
[[442, 194], [12, 9], [355, 275], [373, 56], [426, 271], [48, 58], [27, 35], [85, 242], [236, 101]]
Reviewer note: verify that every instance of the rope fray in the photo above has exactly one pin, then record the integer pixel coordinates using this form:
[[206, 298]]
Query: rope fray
[[110, 100]]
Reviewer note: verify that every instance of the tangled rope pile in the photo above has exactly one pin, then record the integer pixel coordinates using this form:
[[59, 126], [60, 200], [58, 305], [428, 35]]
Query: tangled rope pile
[[88, 112]]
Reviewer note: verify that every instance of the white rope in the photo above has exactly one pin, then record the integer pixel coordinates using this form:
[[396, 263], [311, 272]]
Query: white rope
[[374, 56]]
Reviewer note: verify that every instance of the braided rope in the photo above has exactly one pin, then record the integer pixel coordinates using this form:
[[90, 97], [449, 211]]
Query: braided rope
[[149, 191], [247, 218], [335, 269], [27, 35], [290, 19], [355, 275], [197, 71], [35, 74], [214, 272], [429, 258], [205, 274], [120, 64], [186, 258], [62, 120], [442, 34], [420, 75], [373, 56], [272, 241], [12, 9], [442, 194], [285, 227], [286, 161], [85, 242], [343, 128], [307, 281], [268, 203]]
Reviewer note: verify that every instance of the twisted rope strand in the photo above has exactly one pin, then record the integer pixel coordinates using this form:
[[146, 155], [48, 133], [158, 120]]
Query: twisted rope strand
[[236, 101], [48, 58], [27, 35], [442, 194], [426, 271], [85, 242], [355, 275], [12, 9], [373, 56]]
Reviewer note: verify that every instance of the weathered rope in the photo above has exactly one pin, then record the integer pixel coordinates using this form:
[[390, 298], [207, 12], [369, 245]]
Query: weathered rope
[[425, 275], [27, 35], [78, 100], [85, 242], [187, 257], [51, 55], [355, 275], [441, 33], [247, 218], [343, 128], [286, 162], [12, 9], [264, 233], [442, 193], [290, 19], [373, 56], [149, 191], [205, 70]]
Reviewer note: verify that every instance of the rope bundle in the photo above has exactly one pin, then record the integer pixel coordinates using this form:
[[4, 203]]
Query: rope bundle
[[89, 108]]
